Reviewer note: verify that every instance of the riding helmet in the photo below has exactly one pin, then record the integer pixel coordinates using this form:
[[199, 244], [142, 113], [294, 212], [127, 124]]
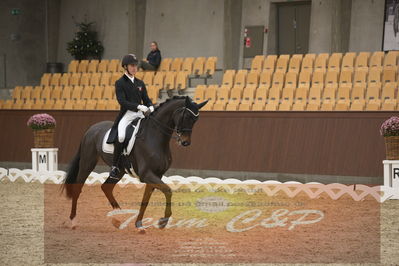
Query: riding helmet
[[129, 59]]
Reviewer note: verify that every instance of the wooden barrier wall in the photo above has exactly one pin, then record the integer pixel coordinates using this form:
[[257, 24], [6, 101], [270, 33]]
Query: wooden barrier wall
[[325, 143]]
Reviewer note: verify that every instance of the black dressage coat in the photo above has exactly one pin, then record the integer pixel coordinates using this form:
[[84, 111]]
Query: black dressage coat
[[129, 95]]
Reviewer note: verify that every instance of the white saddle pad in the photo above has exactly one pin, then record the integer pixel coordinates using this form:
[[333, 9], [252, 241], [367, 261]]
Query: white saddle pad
[[109, 148]]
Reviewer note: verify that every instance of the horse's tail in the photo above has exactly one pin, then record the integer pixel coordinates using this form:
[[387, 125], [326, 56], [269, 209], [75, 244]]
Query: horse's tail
[[72, 174]]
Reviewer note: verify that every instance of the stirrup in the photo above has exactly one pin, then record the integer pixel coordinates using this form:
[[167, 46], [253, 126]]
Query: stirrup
[[114, 172]]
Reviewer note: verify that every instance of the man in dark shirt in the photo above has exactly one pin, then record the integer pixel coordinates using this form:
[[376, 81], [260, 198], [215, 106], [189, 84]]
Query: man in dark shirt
[[153, 59]]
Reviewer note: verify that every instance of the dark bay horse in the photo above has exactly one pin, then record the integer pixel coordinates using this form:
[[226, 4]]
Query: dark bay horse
[[150, 157]]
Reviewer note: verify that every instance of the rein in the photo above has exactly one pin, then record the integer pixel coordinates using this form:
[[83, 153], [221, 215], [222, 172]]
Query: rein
[[165, 129]]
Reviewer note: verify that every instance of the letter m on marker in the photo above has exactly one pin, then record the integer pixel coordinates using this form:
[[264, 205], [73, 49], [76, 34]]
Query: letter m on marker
[[42, 159], [396, 173]]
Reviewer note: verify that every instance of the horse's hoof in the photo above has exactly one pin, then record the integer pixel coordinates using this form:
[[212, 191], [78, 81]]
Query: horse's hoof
[[163, 222], [141, 230], [74, 223], [116, 223]]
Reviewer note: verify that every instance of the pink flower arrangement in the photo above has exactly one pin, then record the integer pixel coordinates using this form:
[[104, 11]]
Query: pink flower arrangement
[[390, 127], [41, 121]]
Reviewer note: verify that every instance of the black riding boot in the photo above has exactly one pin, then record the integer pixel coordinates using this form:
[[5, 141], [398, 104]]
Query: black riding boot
[[118, 149]]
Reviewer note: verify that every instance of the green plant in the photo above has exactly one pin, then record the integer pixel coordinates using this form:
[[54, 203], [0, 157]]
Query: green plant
[[85, 45]]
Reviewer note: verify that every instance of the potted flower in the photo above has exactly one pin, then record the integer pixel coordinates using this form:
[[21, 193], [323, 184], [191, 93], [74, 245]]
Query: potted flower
[[390, 131], [43, 126]]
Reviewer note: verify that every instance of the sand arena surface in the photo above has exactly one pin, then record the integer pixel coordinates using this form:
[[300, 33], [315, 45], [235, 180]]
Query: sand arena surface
[[35, 230]]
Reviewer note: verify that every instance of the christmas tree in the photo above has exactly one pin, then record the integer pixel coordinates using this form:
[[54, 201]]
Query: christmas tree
[[85, 44]]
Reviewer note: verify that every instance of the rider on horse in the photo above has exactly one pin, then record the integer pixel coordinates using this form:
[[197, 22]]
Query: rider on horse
[[132, 96]]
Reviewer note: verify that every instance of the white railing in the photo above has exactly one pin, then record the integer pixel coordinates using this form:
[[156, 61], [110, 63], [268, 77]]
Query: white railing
[[313, 190]]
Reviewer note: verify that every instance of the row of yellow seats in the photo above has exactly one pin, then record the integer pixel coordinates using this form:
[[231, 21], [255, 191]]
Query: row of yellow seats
[[162, 80], [242, 78], [323, 61], [251, 94], [61, 104], [72, 92], [197, 66], [327, 105], [64, 92]]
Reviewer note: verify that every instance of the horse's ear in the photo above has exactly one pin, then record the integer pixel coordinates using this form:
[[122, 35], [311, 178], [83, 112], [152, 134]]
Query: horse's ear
[[200, 105], [188, 102]]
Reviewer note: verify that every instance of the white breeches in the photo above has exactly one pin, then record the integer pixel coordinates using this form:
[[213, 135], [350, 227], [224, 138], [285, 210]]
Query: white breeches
[[125, 121]]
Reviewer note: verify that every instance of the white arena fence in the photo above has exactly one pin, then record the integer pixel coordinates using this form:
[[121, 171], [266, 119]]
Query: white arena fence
[[313, 189]]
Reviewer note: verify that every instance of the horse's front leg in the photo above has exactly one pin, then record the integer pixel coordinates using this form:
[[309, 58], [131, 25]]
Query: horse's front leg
[[144, 203], [156, 182]]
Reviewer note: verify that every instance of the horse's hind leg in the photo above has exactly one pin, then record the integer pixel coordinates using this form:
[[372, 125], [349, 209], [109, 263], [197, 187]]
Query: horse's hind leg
[[108, 188]]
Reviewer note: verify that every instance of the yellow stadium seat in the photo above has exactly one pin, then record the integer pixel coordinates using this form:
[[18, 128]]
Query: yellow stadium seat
[[348, 61], [176, 64], [199, 64], [357, 105], [26, 93], [139, 75], [57, 105], [199, 93], [391, 60], [376, 60], [342, 105], [158, 81], [288, 94], [329, 93], [91, 105], [257, 63], [36, 92], [113, 105], [265, 79], [153, 93], [258, 106], [291, 80], [64, 80], [77, 92], [38, 105], [45, 79], [27, 105], [315, 94], [271, 106], [228, 78], [114, 66], [334, 62], [87, 92], [358, 92], [85, 79], [103, 66], [232, 106], [318, 80], [181, 81], [114, 78], [165, 64], [46, 93], [97, 92], [307, 63], [331, 79], [79, 105], [56, 93], [170, 81], [261, 94], [389, 105], [73, 66], [92, 66], [82, 67], [295, 63], [388, 91], [320, 63], [74, 80], [16, 93], [389, 75], [108, 92], [244, 106], [285, 105], [148, 77], [345, 78], [210, 66], [252, 79], [269, 63], [327, 105], [278, 80], [105, 79], [362, 61], [210, 93], [304, 79], [373, 92], [55, 79], [343, 93], [66, 93], [240, 79], [373, 105], [95, 79], [101, 105], [282, 63], [301, 94], [187, 65], [274, 94], [299, 106], [374, 76], [235, 96]]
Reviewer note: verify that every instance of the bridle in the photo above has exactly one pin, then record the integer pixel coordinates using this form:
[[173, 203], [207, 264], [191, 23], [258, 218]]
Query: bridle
[[167, 130]]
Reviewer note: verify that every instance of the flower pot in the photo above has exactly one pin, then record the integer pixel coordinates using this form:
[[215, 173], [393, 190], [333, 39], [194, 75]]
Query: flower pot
[[43, 138], [392, 147]]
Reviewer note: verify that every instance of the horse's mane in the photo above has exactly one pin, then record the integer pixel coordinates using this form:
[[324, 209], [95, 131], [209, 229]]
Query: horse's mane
[[166, 101]]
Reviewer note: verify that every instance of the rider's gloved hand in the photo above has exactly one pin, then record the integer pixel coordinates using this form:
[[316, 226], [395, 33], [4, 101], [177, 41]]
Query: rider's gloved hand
[[151, 108], [143, 108]]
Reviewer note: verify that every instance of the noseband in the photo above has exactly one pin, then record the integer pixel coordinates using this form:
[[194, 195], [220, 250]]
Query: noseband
[[179, 129]]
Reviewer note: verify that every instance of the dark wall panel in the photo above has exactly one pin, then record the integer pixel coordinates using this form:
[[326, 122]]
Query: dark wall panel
[[326, 143]]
